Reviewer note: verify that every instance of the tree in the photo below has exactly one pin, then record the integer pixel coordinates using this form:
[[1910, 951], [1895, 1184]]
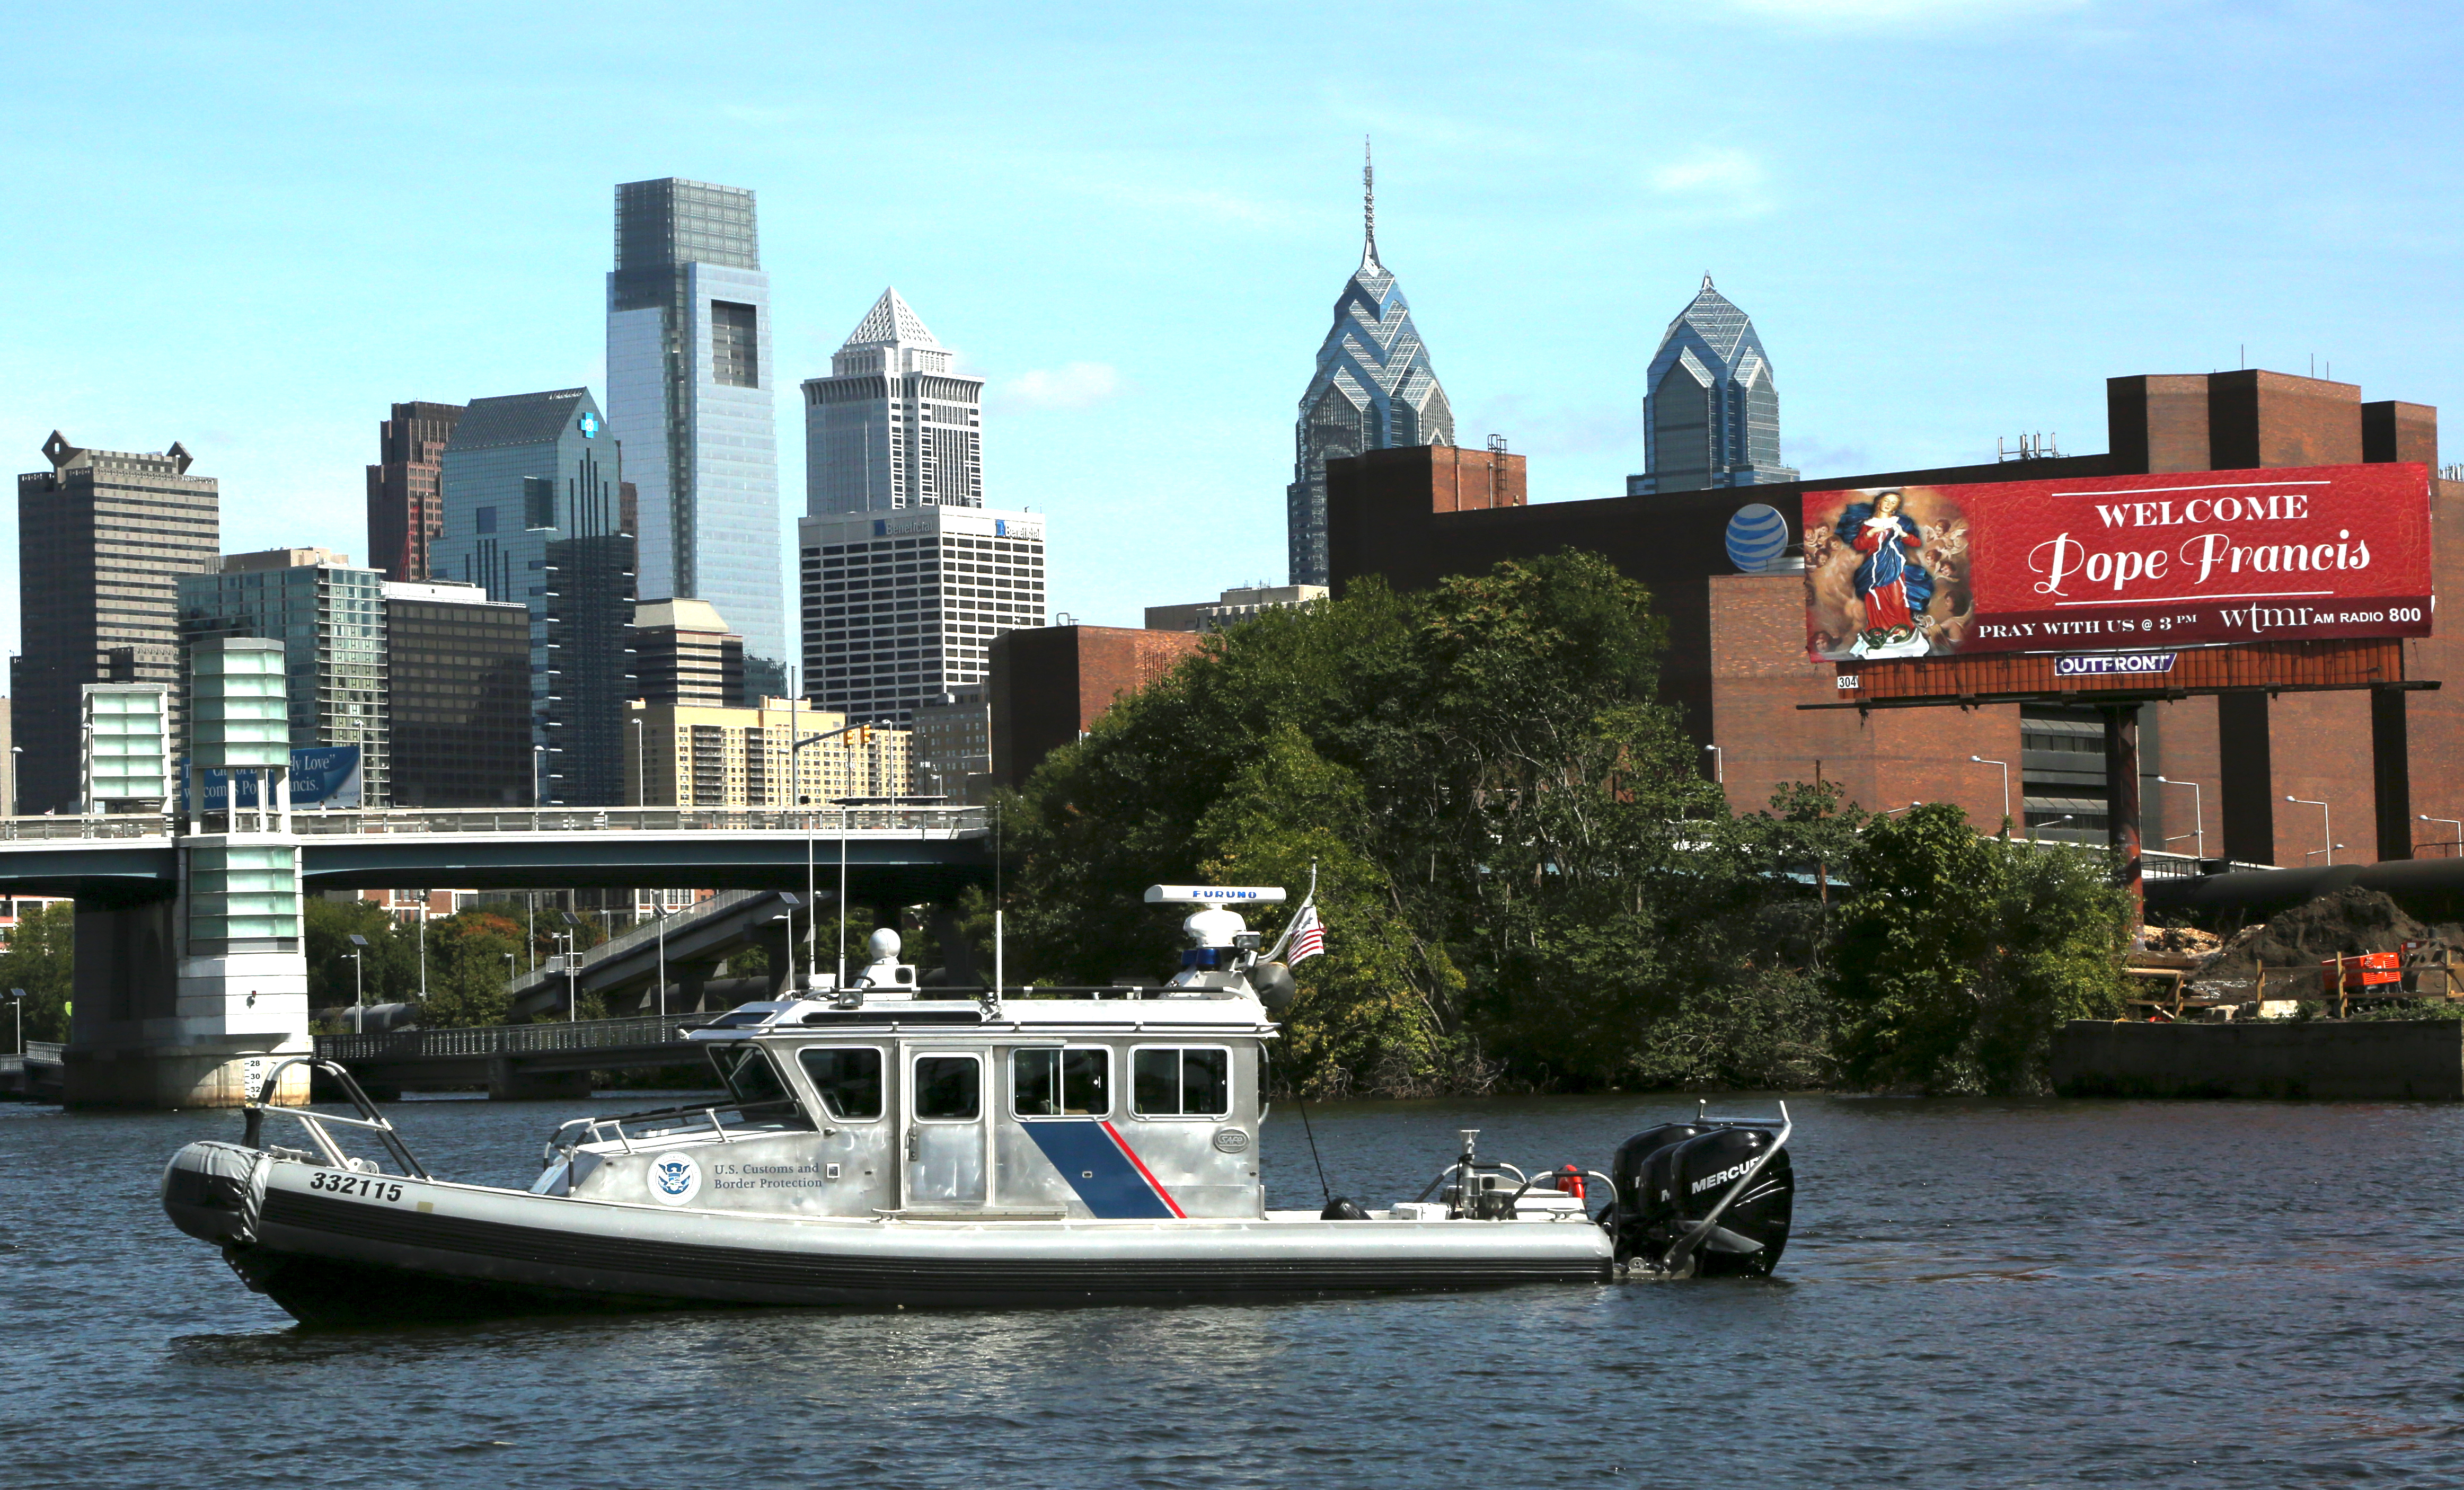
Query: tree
[[41, 959], [1960, 955], [468, 975], [389, 970]]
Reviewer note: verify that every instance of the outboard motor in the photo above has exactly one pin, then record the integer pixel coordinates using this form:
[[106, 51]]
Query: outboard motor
[[1709, 1198]]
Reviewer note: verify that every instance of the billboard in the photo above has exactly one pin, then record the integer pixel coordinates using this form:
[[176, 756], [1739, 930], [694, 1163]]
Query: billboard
[[2099, 563], [322, 776]]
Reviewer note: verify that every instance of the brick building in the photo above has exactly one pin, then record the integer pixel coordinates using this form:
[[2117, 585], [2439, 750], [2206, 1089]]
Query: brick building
[[1049, 684], [1737, 671], [405, 509]]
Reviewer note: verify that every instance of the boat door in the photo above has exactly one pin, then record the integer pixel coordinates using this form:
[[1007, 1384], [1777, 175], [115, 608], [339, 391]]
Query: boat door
[[946, 1129]]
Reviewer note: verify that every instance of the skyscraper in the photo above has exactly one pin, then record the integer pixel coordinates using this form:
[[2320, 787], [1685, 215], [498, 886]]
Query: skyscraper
[[103, 538], [1710, 412], [892, 425], [1373, 389], [331, 620], [403, 512], [531, 492], [457, 696], [689, 392], [900, 606]]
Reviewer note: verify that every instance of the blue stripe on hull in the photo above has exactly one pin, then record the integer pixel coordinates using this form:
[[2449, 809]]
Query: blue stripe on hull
[[1096, 1168]]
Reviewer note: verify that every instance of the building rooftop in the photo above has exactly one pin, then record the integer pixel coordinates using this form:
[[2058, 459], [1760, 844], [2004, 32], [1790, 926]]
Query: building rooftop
[[284, 558], [685, 615]]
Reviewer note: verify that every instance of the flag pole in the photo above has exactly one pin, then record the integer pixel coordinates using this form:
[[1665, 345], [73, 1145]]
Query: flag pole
[[1307, 900]]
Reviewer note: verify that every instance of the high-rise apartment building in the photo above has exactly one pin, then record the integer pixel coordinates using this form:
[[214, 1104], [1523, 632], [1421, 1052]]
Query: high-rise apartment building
[[330, 619], [103, 538], [690, 391], [892, 426], [689, 755], [1711, 414], [532, 514], [683, 653], [949, 740], [1374, 390], [458, 696], [403, 506], [900, 606]]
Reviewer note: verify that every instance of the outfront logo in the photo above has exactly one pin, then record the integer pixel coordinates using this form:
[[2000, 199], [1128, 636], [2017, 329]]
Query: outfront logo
[[674, 1179], [589, 425]]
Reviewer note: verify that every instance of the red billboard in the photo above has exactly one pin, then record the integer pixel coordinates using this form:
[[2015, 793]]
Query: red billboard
[[2098, 563]]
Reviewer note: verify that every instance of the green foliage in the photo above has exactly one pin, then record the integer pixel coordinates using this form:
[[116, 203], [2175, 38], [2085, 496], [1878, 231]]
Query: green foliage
[[1526, 878], [41, 959], [1960, 955], [388, 967], [468, 975]]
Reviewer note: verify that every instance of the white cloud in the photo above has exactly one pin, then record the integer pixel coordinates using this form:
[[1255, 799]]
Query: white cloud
[[1864, 15], [1726, 172], [1073, 385]]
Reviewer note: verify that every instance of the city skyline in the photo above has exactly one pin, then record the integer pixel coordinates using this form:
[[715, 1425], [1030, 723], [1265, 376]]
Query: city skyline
[[1553, 216]]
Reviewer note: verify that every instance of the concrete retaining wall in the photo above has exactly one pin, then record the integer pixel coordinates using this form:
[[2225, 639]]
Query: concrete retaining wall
[[2406, 1060]]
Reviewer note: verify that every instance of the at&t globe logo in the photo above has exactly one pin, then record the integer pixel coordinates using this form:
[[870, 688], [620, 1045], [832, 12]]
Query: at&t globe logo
[[675, 1178]]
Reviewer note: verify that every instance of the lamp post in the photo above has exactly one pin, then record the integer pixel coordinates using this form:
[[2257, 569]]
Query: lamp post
[[2053, 823], [641, 767], [2326, 828], [423, 947], [539, 777], [2329, 851], [1887, 811], [660, 907], [509, 971], [359, 989], [2006, 783], [2198, 816], [2450, 822], [812, 918], [1719, 766], [18, 1002]]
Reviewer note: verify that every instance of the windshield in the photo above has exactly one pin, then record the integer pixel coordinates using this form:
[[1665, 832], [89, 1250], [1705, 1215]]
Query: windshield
[[750, 1078]]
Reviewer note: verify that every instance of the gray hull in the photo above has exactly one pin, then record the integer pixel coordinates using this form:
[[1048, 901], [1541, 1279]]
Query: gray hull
[[336, 1248]]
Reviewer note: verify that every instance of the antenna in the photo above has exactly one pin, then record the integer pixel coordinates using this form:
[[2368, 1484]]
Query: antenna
[[1367, 198]]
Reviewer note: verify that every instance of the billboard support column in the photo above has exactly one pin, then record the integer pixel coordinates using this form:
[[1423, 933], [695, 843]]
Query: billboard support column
[[2390, 773], [2246, 777], [2122, 799]]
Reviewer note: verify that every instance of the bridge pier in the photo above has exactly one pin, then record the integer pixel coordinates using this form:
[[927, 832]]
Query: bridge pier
[[509, 1082], [189, 1001]]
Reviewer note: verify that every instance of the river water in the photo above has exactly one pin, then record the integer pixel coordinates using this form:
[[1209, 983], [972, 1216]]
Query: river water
[[1979, 1294]]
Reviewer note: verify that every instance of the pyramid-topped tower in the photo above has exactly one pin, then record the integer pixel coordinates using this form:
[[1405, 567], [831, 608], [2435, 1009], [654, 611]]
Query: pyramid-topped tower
[[1710, 408], [892, 425], [1374, 390]]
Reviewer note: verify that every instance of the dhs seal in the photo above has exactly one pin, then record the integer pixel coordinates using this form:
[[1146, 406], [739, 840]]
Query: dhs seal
[[674, 1179]]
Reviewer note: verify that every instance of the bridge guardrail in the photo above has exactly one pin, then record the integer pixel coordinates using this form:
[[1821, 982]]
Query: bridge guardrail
[[117, 824], [43, 1052], [921, 822], [508, 1040]]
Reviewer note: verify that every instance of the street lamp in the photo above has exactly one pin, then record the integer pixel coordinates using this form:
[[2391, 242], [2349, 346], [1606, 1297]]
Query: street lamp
[[359, 989], [1887, 811], [2051, 823], [539, 777], [2198, 817], [2326, 828], [2006, 783], [423, 947], [641, 767], [813, 921], [1719, 766], [18, 1002], [2450, 822], [2329, 851]]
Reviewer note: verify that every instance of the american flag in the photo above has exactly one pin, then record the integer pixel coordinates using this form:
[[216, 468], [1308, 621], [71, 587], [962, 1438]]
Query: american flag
[[1309, 935]]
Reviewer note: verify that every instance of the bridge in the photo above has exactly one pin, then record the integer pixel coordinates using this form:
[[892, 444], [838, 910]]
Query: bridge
[[191, 980], [516, 1062]]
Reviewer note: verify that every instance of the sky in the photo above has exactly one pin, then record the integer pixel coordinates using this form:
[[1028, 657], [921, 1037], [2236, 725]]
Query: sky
[[250, 232]]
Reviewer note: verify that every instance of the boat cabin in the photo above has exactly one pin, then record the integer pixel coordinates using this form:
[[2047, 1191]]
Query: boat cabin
[[892, 1099]]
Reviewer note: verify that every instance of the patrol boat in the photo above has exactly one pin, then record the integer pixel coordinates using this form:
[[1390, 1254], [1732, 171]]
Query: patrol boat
[[884, 1143]]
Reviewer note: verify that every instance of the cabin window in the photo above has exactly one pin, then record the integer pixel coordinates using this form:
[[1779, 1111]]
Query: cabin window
[[847, 1079], [1050, 1083], [1173, 1082], [750, 1078], [949, 1088]]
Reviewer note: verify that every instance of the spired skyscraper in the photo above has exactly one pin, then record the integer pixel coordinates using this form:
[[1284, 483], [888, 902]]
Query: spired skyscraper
[[1375, 389], [689, 392], [892, 426], [1710, 412]]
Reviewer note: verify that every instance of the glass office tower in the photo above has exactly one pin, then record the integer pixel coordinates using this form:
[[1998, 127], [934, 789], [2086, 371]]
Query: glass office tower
[[533, 515], [330, 618], [1710, 412], [689, 386], [1374, 390]]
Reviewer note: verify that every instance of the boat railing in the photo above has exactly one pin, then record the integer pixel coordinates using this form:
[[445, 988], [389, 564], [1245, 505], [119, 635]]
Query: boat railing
[[679, 1122], [321, 1125]]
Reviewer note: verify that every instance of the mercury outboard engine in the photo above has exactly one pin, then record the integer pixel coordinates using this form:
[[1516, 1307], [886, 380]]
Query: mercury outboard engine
[[1709, 1198]]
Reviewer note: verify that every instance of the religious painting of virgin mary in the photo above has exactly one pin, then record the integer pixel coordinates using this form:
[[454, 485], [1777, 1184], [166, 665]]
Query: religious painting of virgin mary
[[1885, 574]]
